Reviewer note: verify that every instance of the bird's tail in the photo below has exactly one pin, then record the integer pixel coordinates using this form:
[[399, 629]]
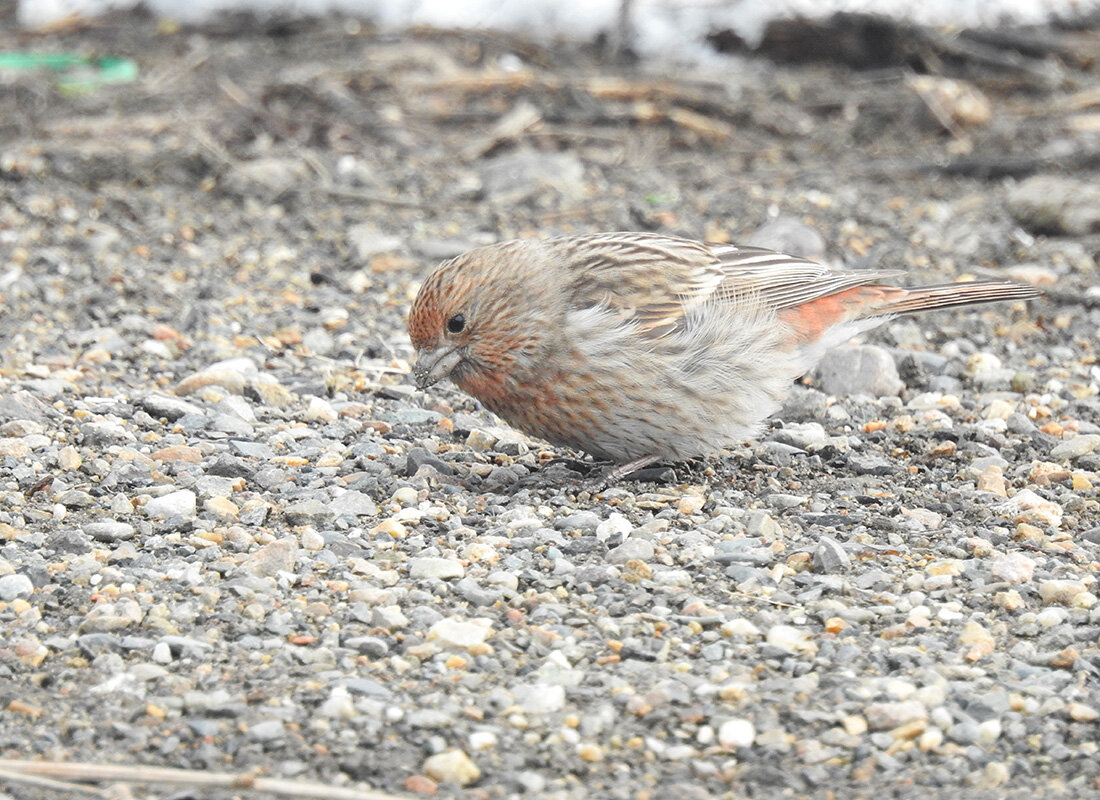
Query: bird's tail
[[949, 295]]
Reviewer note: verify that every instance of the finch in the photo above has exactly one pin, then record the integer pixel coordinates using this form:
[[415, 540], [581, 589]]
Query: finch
[[639, 347]]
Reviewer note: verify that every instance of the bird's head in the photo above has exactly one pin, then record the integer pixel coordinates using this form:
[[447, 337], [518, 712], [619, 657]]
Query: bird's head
[[477, 315]]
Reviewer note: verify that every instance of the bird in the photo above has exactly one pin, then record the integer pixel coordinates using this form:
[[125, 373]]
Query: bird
[[638, 348]]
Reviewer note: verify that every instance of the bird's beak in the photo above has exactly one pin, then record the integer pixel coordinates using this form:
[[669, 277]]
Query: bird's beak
[[433, 366]]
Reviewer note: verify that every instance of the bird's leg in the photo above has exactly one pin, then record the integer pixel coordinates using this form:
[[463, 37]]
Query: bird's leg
[[574, 464], [616, 474]]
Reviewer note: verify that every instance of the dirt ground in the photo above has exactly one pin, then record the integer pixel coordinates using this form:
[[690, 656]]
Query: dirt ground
[[278, 191]]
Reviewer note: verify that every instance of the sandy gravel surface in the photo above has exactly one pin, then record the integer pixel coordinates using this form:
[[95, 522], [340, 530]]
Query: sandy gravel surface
[[233, 538]]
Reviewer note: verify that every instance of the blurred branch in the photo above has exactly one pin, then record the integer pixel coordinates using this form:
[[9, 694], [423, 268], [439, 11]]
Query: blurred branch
[[65, 774]]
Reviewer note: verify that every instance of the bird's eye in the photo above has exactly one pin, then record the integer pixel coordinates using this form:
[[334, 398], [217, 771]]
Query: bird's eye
[[456, 324]]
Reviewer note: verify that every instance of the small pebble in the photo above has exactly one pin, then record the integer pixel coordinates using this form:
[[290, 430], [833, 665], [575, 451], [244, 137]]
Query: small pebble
[[109, 531], [452, 766], [859, 370], [460, 634], [736, 733], [438, 568], [13, 586], [173, 504]]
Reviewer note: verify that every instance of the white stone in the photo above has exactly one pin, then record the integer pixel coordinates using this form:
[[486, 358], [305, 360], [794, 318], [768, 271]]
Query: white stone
[[237, 406], [162, 653], [338, 705], [1060, 591], [1012, 567], [13, 586], [434, 567], [539, 698], [989, 731], [460, 634], [311, 540], [452, 766], [791, 639], [320, 410], [505, 580], [483, 740], [740, 626], [615, 523], [736, 733], [174, 504]]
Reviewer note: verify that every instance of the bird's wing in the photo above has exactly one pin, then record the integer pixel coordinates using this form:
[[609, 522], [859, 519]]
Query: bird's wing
[[783, 281], [648, 279], [654, 280]]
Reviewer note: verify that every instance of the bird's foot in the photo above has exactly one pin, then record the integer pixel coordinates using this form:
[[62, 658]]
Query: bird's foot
[[637, 470]]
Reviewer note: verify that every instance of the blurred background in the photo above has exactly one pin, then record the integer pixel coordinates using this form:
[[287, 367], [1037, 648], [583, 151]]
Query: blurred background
[[176, 153]]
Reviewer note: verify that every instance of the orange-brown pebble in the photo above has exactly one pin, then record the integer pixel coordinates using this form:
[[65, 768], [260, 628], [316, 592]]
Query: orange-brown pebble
[[178, 452], [421, 784], [165, 333], [1065, 658], [944, 449], [21, 707]]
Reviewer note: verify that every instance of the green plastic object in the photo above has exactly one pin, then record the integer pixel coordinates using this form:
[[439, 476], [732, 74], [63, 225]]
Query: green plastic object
[[78, 74], [32, 61]]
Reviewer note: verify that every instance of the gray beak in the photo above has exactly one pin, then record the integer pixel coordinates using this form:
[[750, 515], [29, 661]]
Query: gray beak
[[433, 366]]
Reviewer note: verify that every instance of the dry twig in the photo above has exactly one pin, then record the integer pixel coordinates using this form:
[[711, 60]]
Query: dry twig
[[69, 788], [66, 774]]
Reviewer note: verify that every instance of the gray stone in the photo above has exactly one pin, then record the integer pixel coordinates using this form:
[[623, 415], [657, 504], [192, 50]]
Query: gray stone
[[266, 731], [371, 646], [790, 235], [1076, 447], [170, 408], [474, 593], [586, 521], [366, 688], [522, 175], [539, 698], [308, 512], [890, 714], [859, 369], [429, 718], [830, 557], [784, 501], [389, 617], [105, 434], [109, 531], [214, 486], [1056, 204], [74, 498], [69, 541], [269, 560], [13, 586], [368, 241], [631, 549], [227, 466], [805, 436], [353, 503], [252, 449]]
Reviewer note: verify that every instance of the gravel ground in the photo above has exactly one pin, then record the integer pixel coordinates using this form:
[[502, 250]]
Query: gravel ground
[[233, 538]]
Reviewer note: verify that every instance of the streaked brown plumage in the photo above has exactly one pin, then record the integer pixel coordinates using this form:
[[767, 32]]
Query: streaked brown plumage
[[639, 347]]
